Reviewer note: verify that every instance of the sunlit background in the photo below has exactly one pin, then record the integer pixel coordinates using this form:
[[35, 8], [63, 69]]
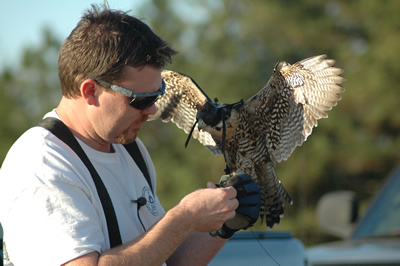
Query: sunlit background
[[230, 49]]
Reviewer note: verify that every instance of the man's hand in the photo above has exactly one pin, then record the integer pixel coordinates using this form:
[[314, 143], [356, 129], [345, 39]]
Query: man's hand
[[248, 195], [207, 209]]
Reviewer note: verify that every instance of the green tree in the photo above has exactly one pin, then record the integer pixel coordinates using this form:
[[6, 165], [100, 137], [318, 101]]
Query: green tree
[[230, 48], [28, 91]]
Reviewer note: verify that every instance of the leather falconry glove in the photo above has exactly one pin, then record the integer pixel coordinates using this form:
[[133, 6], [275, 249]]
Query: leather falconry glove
[[248, 195]]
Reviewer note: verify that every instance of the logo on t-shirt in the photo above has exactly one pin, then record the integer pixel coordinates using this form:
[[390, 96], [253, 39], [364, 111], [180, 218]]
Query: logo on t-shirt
[[151, 205]]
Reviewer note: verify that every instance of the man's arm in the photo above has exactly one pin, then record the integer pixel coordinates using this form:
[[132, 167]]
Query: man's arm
[[203, 210], [198, 248]]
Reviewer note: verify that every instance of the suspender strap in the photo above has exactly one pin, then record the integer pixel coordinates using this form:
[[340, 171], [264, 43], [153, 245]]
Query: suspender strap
[[60, 130], [137, 156]]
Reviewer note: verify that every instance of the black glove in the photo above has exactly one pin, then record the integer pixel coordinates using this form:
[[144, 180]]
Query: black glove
[[248, 195]]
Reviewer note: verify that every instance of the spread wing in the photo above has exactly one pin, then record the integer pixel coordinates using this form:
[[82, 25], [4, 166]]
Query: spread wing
[[294, 99], [179, 104]]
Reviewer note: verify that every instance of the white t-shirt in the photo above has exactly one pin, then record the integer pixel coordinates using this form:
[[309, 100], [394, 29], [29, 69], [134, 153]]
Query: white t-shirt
[[49, 207]]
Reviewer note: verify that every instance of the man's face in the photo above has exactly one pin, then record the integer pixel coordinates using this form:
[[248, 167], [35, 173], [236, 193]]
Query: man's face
[[118, 121]]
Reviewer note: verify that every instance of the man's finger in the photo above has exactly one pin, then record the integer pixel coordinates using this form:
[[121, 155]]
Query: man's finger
[[232, 192], [211, 185]]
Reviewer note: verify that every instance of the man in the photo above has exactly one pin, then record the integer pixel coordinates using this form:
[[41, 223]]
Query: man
[[50, 209]]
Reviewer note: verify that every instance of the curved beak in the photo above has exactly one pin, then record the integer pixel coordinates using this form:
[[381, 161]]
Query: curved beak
[[201, 124]]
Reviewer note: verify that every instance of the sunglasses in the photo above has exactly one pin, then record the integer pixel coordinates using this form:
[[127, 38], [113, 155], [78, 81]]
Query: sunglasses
[[139, 101]]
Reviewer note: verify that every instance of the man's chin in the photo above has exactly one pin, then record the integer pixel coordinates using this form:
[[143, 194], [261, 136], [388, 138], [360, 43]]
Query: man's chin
[[124, 139]]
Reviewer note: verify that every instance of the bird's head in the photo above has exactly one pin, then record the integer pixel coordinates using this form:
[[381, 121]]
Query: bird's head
[[212, 116], [209, 115]]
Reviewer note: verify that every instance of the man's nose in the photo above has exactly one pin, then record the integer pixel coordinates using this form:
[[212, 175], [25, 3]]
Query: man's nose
[[151, 110]]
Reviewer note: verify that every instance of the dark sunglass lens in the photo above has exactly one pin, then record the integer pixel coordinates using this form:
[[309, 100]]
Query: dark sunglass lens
[[144, 103]]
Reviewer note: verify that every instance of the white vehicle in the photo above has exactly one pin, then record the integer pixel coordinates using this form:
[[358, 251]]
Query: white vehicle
[[375, 240]]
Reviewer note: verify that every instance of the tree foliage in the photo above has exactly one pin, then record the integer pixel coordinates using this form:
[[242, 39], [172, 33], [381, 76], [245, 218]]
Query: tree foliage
[[28, 90], [230, 48]]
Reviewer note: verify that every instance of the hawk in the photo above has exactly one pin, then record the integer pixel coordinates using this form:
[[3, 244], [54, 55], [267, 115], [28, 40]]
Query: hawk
[[253, 135]]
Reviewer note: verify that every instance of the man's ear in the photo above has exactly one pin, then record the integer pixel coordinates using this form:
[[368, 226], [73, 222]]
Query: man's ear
[[88, 91]]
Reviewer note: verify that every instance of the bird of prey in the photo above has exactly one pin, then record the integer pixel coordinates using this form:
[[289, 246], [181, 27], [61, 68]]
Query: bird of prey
[[253, 135]]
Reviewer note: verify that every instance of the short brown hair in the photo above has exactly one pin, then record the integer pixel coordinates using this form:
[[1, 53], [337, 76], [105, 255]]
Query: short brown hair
[[103, 43]]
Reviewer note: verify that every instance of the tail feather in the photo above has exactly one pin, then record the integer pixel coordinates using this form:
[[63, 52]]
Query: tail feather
[[273, 195]]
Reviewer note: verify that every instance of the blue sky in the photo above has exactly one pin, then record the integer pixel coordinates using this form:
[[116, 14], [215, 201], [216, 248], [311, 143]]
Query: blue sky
[[22, 21]]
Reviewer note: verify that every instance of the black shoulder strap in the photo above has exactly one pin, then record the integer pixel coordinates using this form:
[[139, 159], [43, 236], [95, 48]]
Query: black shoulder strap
[[60, 130], [134, 151]]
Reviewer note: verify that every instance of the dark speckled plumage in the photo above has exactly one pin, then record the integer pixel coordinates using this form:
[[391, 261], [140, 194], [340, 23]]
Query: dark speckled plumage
[[263, 130]]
